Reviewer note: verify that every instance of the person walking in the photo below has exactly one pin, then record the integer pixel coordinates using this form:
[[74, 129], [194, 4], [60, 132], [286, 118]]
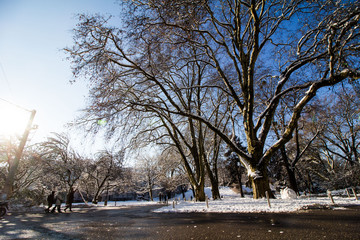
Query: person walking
[[58, 201], [69, 200], [50, 200]]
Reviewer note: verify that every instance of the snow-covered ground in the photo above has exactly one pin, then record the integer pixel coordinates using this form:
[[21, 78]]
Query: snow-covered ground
[[120, 203], [232, 202]]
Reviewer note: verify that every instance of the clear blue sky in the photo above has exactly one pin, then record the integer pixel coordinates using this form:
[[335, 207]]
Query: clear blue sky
[[34, 72]]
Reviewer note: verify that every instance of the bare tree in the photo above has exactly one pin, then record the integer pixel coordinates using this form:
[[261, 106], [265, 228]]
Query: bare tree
[[172, 175], [148, 173], [305, 132], [61, 161], [28, 181], [339, 143], [106, 167], [341, 137], [233, 39]]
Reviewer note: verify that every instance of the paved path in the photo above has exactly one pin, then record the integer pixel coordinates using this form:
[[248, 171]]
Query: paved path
[[141, 223]]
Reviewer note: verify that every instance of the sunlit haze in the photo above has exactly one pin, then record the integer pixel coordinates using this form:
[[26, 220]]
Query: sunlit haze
[[34, 72], [13, 120]]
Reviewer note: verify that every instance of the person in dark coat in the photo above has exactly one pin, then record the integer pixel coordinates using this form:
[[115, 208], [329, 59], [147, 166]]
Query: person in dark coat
[[69, 200], [50, 200]]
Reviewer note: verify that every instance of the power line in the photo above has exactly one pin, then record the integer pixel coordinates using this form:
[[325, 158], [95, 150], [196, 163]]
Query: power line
[[5, 78], [18, 106]]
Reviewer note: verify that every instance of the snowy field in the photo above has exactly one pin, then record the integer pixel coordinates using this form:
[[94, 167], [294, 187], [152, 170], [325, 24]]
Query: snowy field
[[232, 202]]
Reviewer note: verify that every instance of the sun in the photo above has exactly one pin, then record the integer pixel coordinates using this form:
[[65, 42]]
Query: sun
[[13, 120]]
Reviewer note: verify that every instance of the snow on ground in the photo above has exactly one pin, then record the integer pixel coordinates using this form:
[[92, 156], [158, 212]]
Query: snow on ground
[[232, 202], [123, 203], [110, 204]]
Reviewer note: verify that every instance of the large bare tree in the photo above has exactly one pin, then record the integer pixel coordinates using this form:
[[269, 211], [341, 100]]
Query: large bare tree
[[248, 45]]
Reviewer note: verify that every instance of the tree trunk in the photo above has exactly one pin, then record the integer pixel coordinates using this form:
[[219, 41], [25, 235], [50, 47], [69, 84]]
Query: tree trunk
[[183, 191], [99, 189], [200, 194], [96, 197], [151, 194], [292, 179], [215, 190], [309, 183], [260, 187], [239, 181], [214, 181], [290, 172], [192, 189], [260, 184]]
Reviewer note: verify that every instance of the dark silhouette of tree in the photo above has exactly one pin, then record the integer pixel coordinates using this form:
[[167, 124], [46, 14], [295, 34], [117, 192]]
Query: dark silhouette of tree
[[233, 164]]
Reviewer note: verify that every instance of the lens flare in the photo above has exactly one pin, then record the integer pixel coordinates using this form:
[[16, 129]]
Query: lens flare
[[13, 120]]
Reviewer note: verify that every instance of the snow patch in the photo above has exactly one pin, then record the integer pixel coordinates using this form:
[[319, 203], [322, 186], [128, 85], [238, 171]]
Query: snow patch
[[254, 174], [288, 193]]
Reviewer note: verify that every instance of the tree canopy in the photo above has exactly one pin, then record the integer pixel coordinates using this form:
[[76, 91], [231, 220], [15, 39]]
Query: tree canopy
[[178, 60]]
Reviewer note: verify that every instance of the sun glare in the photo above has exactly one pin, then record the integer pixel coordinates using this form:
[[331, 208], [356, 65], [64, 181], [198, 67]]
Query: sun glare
[[13, 120]]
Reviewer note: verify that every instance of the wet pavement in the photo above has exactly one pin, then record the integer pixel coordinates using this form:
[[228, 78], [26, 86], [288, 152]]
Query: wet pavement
[[140, 223]]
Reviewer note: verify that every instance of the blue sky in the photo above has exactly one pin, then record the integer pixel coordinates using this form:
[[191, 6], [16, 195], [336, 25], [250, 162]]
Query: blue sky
[[34, 72]]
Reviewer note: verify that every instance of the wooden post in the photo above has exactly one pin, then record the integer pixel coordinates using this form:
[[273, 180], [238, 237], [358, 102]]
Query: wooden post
[[330, 196], [173, 203], [268, 198], [207, 201], [356, 197], [13, 167]]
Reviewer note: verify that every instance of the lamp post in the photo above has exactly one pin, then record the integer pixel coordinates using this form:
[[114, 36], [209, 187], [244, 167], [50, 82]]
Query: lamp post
[[8, 187]]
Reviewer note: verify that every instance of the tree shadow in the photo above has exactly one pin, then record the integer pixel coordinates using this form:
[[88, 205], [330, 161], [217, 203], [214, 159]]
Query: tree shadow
[[31, 226]]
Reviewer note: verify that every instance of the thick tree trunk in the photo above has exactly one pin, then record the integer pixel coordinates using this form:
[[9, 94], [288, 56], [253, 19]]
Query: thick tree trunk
[[292, 179], [214, 182], [260, 187], [198, 188], [215, 190], [260, 184], [200, 194]]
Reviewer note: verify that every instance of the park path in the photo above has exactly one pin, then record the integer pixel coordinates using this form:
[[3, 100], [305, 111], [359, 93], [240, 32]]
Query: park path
[[107, 223]]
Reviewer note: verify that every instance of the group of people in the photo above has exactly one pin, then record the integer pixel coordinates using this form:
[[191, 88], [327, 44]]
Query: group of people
[[57, 200]]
